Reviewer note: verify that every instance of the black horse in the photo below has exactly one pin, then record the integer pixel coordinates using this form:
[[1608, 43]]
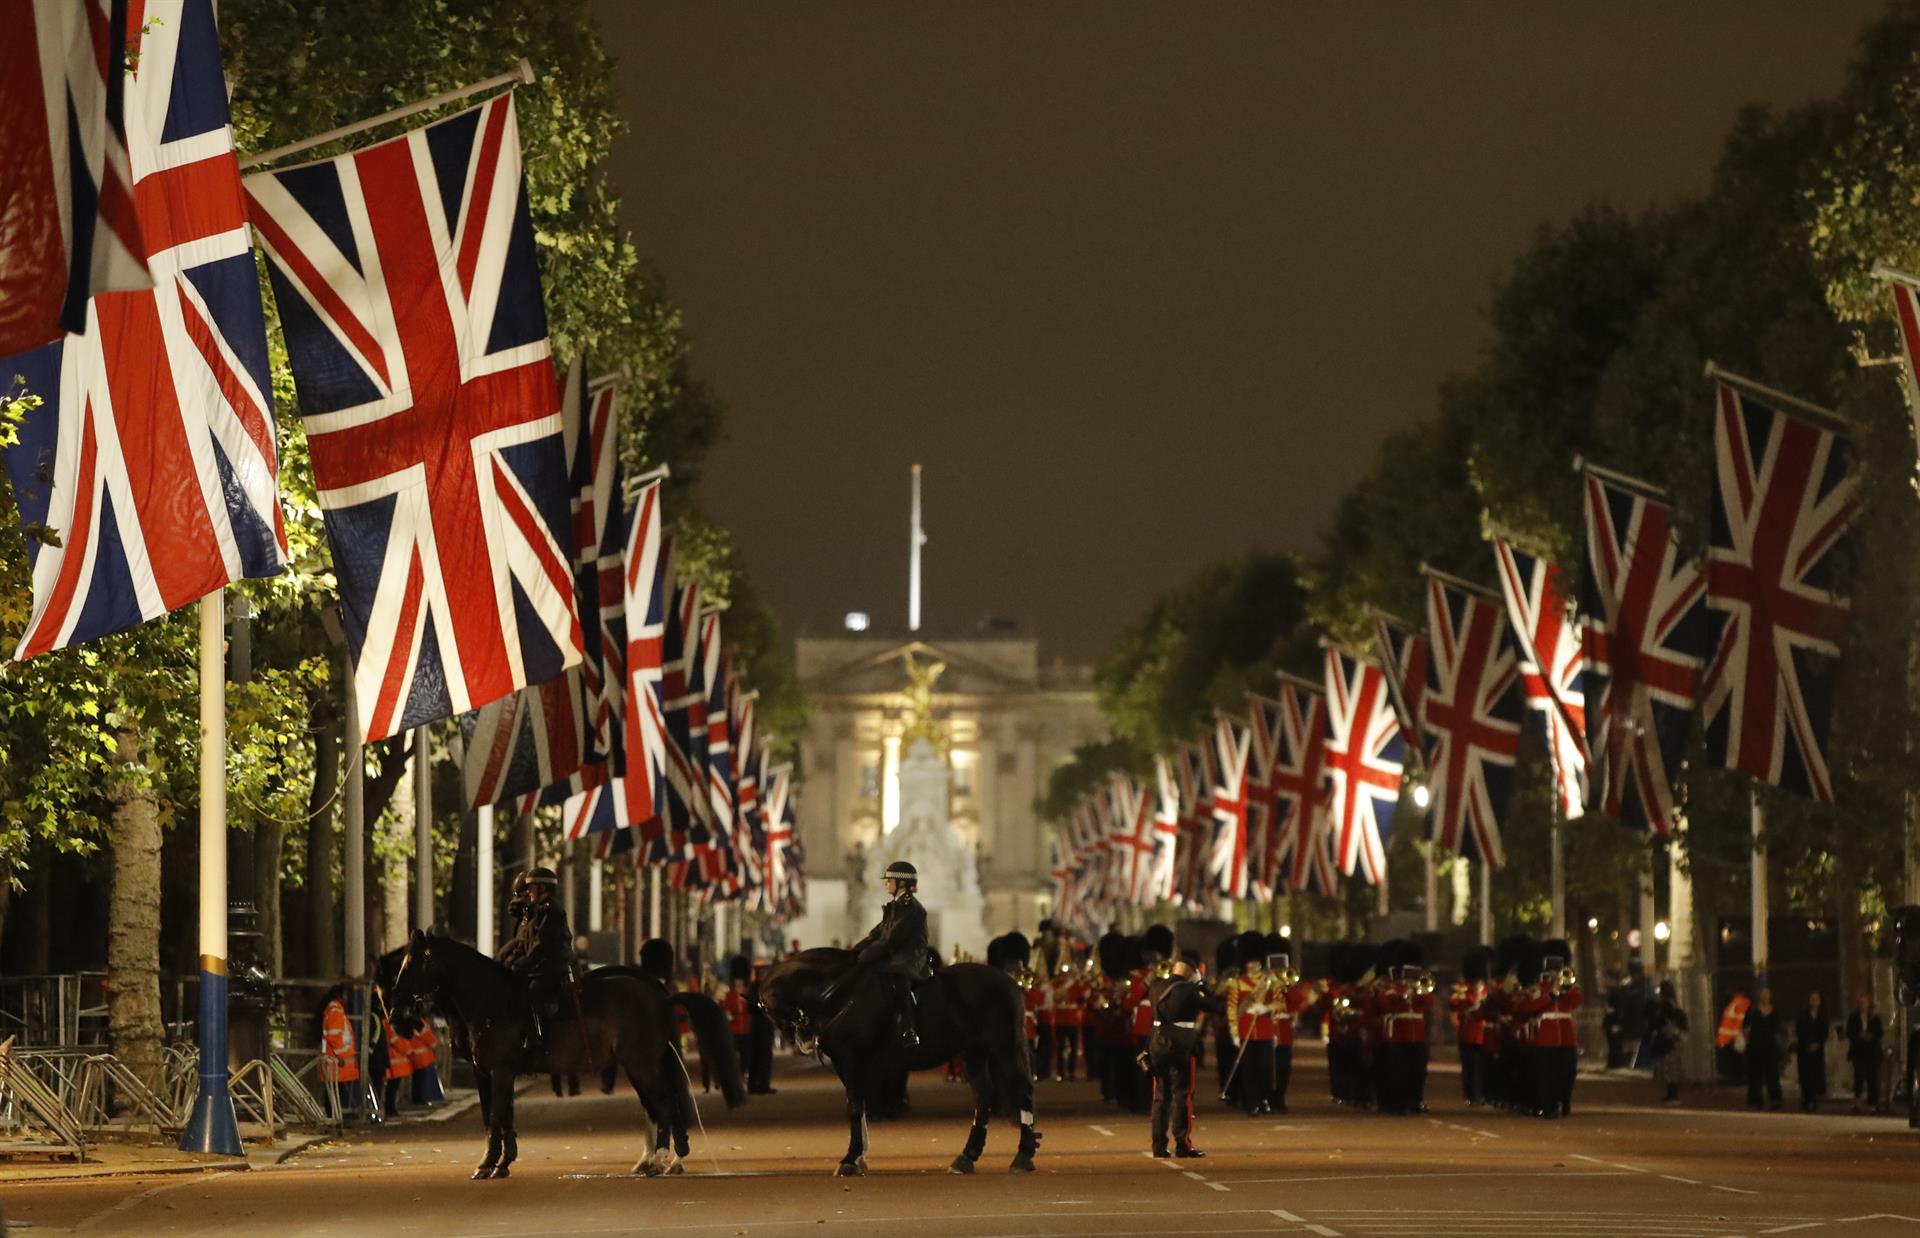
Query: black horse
[[969, 1011], [624, 1019]]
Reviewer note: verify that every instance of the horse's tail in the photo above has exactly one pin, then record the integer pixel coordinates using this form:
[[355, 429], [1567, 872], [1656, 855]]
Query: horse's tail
[[716, 1044]]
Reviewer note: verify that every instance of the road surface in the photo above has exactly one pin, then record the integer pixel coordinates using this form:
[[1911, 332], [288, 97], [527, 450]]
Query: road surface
[[1619, 1166]]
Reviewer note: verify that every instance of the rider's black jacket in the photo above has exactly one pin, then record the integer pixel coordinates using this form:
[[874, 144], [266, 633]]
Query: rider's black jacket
[[899, 942], [542, 944]]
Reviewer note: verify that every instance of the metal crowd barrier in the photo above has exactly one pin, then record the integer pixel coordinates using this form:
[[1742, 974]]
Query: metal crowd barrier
[[26, 1102]]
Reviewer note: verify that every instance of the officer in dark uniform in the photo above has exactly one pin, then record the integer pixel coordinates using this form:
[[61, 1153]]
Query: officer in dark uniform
[[1178, 1002], [895, 952], [542, 950]]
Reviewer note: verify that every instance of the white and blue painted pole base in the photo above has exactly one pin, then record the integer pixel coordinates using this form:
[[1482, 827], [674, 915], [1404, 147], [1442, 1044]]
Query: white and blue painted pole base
[[212, 1128]]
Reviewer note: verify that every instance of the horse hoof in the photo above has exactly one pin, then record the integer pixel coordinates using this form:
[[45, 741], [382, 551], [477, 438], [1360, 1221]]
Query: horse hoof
[[1021, 1165], [648, 1168], [676, 1169], [961, 1165], [850, 1169], [483, 1173], [500, 1173]]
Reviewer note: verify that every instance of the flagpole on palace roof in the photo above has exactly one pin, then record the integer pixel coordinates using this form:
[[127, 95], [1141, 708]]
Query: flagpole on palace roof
[[212, 1127], [520, 74]]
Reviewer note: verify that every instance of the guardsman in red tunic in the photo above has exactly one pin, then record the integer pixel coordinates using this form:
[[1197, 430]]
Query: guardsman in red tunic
[[1250, 999], [1402, 1003], [739, 1011], [1556, 1045], [1293, 996], [1069, 1002]]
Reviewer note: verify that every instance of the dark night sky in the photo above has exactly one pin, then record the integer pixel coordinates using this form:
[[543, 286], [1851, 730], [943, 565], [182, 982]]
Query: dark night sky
[[1140, 284]]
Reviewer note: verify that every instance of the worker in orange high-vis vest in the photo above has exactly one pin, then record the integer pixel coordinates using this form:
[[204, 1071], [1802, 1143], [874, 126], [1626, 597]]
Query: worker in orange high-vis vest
[[424, 1056], [399, 1065], [1733, 1024], [339, 1052]]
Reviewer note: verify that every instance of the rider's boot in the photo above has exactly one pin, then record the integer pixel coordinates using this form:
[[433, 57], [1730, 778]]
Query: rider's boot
[[909, 1038]]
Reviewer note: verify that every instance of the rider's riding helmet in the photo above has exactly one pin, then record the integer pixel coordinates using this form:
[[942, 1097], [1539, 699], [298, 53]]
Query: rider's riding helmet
[[543, 878], [900, 870]]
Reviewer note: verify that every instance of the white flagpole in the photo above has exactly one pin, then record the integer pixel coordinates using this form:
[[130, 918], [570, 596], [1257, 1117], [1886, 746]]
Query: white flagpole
[[212, 1127], [422, 831], [919, 539], [1757, 821], [483, 878], [520, 74]]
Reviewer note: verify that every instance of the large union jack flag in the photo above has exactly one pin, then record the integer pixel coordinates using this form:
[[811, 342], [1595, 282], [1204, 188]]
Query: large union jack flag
[[67, 218], [1166, 832], [410, 298], [1193, 769], [1472, 717], [590, 431], [1298, 783], [153, 455], [1263, 854], [647, 584], [1551, 668], [1136, 809], [1227, 852], [779, 810], [1784, 504], [1643, 641], [1365, 757], [1403, 657]]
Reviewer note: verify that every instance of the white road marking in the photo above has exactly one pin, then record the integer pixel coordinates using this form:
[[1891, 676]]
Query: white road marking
[[1103, 1130], [1471, 1173], [1322, 1230], [1581, 1156], [1883, 1216], [1733, 1190], [1786, 1229], [1196, 1177], [1218, 1186], [1678, 1178]]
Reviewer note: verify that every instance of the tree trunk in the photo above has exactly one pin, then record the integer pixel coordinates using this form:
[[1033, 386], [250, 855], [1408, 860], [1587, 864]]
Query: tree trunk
[[134, 1022], [323, 900], [269, 841]]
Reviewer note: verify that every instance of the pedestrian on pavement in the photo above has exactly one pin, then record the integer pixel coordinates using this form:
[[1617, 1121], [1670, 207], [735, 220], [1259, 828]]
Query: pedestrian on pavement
[[1178, 1003], [1665, 1023], [1810, 1032], [1765, 1036], [1866, 1036]]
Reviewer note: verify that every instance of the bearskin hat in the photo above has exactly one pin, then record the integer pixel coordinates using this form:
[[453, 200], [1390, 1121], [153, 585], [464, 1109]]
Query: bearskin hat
[[1113, 953], [1159, 939]]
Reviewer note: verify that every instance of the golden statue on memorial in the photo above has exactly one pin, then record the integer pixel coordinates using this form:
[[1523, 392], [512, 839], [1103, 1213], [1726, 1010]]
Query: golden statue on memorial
[[919, 721]]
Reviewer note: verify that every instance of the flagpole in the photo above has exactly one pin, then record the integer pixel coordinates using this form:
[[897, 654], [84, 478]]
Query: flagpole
[[1583, 465], [1813, 412], [520, 74], [1757, 820], [354, 857], [913, 560], [1558, 871], [1486, 903], [654, 900], [422, 831], [1461, 583], [212, 1126]]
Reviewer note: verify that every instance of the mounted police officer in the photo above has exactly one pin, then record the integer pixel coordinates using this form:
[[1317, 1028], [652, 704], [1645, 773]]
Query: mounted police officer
[[541, 949], [896, 950]]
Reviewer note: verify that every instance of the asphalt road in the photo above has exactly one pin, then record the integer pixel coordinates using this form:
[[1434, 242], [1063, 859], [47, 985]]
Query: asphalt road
[[1619, 1166]]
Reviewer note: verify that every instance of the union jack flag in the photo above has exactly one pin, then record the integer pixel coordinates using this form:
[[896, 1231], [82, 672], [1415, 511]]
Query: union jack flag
[[544, 738], [1906, 313], [780, 838], [593, 810], [1551, 668], [647, 586], [1193, 771], [590, 433], [410, 298], [1166, 832], [1785, 502], [152, 455], [1135, 811], [1365, 757], [1263, 857], [71, 229], [1061, 867], [1472, 716], [1403, 656], [1227, 854], [1643, 642], [1298, 782], [681, 796]]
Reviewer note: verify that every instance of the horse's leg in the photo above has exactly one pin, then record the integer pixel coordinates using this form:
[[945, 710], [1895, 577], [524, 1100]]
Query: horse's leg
[[483, 1083], [503, 1122], [855, 1161], [981, 1082], [1021, 1083]]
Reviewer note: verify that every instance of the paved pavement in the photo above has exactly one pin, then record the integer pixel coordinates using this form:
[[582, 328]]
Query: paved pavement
[[1619, 1166]]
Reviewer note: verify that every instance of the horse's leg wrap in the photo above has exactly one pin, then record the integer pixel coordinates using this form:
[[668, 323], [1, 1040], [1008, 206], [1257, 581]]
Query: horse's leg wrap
[[855, 1161], [1029, 1144]]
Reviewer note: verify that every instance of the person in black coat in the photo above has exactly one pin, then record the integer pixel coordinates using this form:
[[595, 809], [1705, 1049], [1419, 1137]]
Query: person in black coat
[[1178, 1002], [1866, 1038], [1765, 1035], [1810, 1032], [1666, 1024], [895, 952]]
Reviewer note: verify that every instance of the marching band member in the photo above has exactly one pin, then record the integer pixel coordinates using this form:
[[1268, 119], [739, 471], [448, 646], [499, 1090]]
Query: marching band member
[[1069, 998], [1555, 1059], [1250, 1000]]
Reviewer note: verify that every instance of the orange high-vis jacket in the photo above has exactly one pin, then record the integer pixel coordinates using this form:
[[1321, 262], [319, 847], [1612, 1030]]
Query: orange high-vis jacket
[[420, 1054], [1733, 1021], [340, 1060], [398, 1048]]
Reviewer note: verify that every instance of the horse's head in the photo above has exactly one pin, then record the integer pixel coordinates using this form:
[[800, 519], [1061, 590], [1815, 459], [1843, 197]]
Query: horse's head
[[795, 993], [405, 976]]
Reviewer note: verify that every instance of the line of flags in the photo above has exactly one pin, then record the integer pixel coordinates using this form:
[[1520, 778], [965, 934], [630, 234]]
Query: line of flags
[[490, 563], [1305, 786]]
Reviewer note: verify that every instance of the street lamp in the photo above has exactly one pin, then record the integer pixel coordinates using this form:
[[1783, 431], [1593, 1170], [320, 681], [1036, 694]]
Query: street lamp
[[1660, 930], [1421, 796]]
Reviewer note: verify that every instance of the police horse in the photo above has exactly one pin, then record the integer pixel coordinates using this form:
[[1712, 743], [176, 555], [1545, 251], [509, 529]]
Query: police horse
[[624, 1019], [968, 1010]]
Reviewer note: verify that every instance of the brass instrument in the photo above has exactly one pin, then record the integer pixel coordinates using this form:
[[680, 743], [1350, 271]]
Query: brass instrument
[[1163, 970], [1566, 978], [1423, 984], [1026, 978]]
